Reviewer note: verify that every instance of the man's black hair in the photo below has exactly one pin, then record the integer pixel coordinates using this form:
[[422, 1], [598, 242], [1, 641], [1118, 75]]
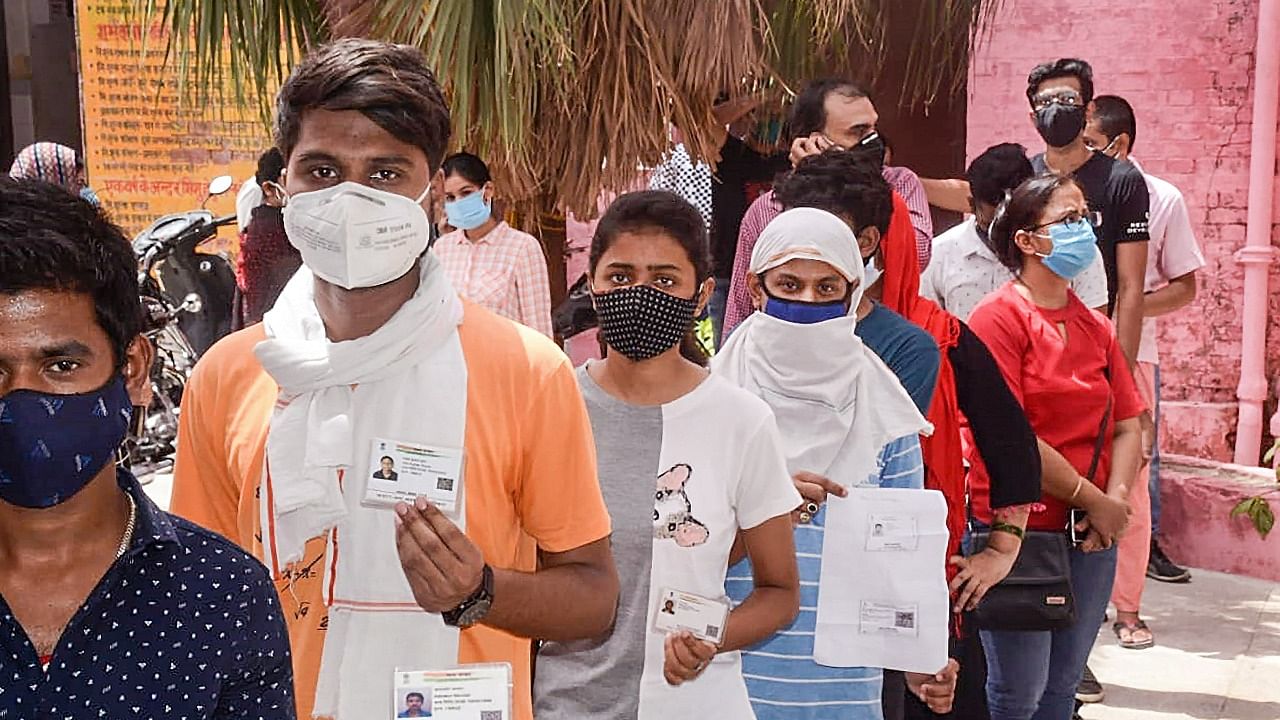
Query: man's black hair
[[1062, 67], [809, 113], [847, 183], [997, 171], [387, 457], [53, 240], [415, 695], [389, 84], [1115, 116], [468, 166], [270, 165]]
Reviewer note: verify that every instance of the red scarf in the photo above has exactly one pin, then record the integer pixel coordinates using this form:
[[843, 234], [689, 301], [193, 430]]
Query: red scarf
[[943, 455]]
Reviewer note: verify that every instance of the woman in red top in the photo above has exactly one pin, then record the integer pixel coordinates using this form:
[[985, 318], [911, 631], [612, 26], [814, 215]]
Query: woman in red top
[[1063, 363]]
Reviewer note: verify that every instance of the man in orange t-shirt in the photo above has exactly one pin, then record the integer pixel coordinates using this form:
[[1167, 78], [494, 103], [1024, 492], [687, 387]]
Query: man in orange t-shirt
[[363, 126]]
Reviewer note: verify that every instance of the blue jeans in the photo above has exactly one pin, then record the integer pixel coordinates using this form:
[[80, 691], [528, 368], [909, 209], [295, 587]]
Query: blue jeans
[[1154, 480], [1033, 675]]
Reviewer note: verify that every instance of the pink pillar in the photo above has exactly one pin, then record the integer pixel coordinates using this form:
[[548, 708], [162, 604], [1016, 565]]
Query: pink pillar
[[1257, 254]]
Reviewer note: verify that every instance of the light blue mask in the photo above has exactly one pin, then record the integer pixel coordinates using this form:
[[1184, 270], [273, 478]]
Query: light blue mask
[[470, 212], [1075, 248]]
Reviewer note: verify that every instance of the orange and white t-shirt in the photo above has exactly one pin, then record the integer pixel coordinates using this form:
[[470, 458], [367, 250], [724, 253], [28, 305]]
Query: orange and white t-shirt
[[529, 452]]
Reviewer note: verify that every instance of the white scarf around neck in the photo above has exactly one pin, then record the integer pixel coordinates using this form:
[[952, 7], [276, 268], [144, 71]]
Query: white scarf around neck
[[406, 381]]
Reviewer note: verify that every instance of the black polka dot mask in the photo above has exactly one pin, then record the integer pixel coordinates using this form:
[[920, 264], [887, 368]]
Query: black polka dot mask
[[641, 321]]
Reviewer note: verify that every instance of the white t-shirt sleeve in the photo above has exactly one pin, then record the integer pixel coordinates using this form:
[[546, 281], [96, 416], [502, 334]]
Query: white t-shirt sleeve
[[1091, 285], [764, 490], [1180, 253]]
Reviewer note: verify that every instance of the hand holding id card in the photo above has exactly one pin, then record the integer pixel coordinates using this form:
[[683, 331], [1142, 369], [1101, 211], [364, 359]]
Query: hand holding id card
[[685, 612], [402, 472]]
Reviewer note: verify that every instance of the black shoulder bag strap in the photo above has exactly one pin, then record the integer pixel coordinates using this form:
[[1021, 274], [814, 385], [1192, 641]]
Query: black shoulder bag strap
[[1102, 429]]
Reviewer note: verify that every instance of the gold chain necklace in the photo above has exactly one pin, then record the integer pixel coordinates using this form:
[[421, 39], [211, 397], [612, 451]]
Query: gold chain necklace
[[128, 528]]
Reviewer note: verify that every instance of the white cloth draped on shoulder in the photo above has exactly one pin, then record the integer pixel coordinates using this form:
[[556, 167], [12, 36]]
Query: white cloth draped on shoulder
[[335, 398], [837, 404]]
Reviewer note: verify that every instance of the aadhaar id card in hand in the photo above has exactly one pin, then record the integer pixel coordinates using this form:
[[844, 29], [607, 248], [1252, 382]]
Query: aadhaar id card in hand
[[469, 692], [703, 618]]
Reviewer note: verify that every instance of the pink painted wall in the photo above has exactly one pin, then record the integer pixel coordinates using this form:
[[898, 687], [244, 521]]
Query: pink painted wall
[[1186, 66]]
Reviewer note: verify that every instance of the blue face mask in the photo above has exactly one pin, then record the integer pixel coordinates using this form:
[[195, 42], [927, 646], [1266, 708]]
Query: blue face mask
[[804, 313], [88, 195], [470, 212], [51, 446], [1075, 248]]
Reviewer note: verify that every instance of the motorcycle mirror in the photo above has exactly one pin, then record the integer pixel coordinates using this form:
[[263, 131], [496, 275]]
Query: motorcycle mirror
[[218, 186]]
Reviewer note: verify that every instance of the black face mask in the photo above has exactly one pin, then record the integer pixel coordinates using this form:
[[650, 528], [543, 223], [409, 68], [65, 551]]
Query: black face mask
[[642, 322], [873, 146], [1060, 124]]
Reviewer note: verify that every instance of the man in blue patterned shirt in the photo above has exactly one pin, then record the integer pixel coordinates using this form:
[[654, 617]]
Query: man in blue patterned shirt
[[109, 607]]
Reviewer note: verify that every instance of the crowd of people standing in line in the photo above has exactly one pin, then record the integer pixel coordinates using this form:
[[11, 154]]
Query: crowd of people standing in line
[[856, 351]]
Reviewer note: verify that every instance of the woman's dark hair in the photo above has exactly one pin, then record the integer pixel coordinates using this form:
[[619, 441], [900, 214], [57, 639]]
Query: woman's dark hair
[[668, 213], [1022, 211], [389, 84], [846, 183], [53, 240], [468, 167], [809, 113]]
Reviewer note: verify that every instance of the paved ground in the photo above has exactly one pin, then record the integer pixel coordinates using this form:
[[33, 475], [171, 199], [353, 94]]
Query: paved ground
[[1217, 653]]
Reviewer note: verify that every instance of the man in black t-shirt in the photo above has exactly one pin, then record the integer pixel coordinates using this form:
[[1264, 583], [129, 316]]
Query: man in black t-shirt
[[1061, 93], [742, 175]]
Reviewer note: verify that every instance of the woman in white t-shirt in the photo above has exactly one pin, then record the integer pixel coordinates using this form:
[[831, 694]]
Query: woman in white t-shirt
[[687, 463]]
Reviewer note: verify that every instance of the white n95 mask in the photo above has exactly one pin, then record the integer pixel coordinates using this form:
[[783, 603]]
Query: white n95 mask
[[355, 236]]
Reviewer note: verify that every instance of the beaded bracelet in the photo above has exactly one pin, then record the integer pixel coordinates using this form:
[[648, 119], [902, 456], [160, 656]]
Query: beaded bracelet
[[1009, 528]]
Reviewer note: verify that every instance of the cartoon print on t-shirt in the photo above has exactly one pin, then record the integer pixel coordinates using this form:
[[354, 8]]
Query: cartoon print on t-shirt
[[673, 514]]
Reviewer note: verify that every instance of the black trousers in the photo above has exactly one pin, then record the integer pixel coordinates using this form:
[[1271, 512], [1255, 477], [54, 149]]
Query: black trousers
[[899, 703]]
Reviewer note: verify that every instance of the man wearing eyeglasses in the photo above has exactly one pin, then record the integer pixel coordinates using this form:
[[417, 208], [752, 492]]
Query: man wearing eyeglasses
[[1061, 98]]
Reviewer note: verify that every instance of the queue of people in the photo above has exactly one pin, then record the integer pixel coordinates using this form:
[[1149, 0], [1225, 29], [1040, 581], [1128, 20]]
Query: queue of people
[[395, 472]]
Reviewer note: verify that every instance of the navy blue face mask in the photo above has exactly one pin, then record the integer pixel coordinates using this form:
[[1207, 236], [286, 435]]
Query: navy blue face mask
[[51, 446], [804, 313]]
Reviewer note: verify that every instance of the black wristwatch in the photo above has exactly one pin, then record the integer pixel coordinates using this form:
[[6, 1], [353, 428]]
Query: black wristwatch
[[474, 608]]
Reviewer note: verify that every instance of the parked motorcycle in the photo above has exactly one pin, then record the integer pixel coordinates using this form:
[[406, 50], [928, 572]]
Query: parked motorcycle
[[187, 298]]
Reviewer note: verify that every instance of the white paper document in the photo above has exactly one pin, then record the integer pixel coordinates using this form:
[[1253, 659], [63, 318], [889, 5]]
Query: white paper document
[[883, 600]]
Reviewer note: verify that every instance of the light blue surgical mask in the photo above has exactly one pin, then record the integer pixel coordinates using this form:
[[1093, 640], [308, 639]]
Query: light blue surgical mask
[[1075, 248], [469, 212]]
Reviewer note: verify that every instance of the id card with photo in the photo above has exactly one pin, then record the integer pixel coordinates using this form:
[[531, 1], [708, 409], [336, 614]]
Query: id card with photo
[[888, 619], [470, 692], [402, 471], [892, 533], [681, 611]]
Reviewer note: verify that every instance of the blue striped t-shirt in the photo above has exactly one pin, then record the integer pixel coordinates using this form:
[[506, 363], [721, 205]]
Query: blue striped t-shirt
[[783, 681]]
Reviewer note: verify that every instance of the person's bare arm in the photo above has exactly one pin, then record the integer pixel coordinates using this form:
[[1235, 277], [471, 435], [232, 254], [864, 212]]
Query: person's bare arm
[[1062, 481], [775, 599], [573, 595], [947, 194], [1131, 270], [773, 602], [1176, 295]]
